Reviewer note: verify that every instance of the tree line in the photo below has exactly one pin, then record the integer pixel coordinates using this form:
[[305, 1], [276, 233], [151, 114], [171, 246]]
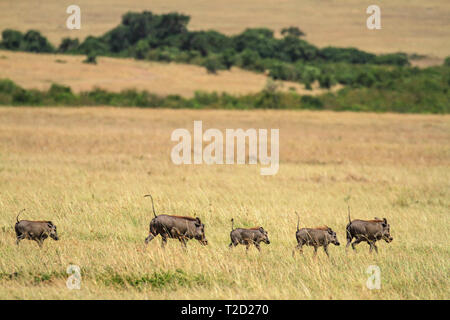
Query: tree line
[[371, 81]]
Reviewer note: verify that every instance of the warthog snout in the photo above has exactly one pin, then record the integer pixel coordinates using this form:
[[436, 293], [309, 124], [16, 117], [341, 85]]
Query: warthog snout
[[53, 233]]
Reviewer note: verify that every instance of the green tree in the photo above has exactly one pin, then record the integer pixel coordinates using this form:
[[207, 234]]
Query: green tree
[[292, 31], [142, 49], [12, 39]]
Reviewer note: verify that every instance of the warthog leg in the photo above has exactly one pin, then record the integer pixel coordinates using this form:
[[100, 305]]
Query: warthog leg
[[163, 240], [357, 241], [325, 248], [20, 237], [150, 237], [232, 245], [372, 246], [247, 246], [40, 242], [349, 240], [299, 248]]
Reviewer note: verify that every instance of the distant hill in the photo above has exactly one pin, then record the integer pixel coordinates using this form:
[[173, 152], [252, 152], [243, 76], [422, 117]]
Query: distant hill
[[408, 26]]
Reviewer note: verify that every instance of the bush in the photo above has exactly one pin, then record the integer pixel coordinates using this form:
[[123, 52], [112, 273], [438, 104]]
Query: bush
[[292, 49], [12, 39], [7, 86], [292, 31], [33, 41], [212, 64], [260, 41], [207, 42], [142, 49], [228, 58], [61, 94], [397, 59], [68, 45], [91, 58], [326, 81], [350, 55], [91, 45], [447, 61], [310, 102]]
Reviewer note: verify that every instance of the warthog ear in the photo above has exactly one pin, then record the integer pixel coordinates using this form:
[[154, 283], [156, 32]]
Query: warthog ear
[[198, 222], [261, 229], [50, 224], [385, 222]]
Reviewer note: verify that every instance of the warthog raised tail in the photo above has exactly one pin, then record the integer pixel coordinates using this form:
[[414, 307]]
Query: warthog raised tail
[[34, 230], [369, 231]]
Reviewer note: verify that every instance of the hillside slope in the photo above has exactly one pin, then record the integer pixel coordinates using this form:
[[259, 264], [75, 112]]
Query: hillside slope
[[409, 26], [39, 71]]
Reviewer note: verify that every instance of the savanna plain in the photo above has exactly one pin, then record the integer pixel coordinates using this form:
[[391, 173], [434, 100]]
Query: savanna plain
[[87, 170]]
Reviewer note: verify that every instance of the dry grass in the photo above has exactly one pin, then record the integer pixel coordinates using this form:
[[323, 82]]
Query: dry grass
[[41, 70], [88, 168], [411, 26]]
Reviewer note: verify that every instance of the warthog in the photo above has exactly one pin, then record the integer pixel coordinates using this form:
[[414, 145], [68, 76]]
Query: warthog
[[316, 237], [176, 227], [34, 230], [248, 236], [367, 230]]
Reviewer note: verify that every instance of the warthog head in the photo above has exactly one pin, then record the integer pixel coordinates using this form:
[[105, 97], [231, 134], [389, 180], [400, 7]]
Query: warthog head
[[199, 233], [52, 231], [265, 236], [333, 237], [386, 233]]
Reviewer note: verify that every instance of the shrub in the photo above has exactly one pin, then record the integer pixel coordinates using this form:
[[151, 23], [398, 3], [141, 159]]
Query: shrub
[[310, 102], [142, 49], [91, 58], [447, 61], [61, 94], [68, 45], [350, 55], [33, 41], [12, 39], [212, 64], [326, 81], [292, 31], [397, 59], [7, 86], [91, 45]]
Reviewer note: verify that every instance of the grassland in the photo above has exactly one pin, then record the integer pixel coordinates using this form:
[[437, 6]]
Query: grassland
[[410, 26], [39, 71], [87, 169]]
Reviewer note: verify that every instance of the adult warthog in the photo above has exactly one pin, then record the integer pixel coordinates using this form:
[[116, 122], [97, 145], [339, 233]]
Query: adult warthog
[[369, 231], [176, 227]]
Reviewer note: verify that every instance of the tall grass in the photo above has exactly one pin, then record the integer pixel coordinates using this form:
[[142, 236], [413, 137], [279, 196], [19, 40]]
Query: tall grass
[[88, 169]]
